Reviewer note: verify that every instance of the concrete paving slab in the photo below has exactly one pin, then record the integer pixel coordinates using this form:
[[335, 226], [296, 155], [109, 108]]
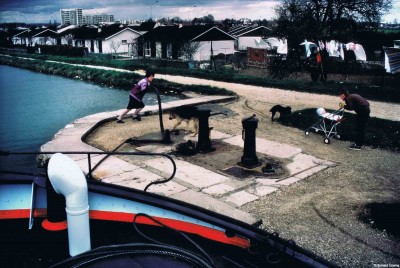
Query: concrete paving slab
[[267, 147], [113, 166], [288, 181], [108, 163], [262, 190], [267, 182], [301, 162], [239, 184], [310, 172], [155, 148], [67, 144], [140, 178], [74, 130], [95, 118], [241, 198], [216, 135], [218, 189], [207, 202], [194, 175], [325, 162]]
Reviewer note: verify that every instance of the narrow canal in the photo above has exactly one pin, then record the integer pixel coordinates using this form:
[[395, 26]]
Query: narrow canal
[[35, 106]]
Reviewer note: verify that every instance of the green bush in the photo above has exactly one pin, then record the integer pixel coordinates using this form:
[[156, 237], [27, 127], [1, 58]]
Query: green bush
[[121, 80]]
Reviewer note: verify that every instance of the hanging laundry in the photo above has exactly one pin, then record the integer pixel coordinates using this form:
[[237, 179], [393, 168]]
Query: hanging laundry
[[283, 47], [327, 46], [308, 46], [321, 44], [260, 43], [360, 53], [358, 49], [350, 46], [333, 48], [272, 42], [392, 59], [341, 51]]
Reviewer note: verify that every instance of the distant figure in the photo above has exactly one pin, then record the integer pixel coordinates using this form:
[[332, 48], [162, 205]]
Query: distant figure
[[321, 64], [316, 64], [355, 102], [313, 64], [135, 97]]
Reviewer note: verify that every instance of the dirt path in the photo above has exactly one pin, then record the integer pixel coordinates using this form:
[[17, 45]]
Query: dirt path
[[297, 100]]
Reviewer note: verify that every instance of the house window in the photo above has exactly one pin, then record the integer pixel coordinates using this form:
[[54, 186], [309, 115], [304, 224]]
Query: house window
[[124, 42], [147, 49], [169, 51], [158, 50]]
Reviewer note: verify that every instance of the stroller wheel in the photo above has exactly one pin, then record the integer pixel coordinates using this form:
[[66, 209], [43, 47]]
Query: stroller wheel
[[327, 141], [316, 130], [306, 133], [338, 136]]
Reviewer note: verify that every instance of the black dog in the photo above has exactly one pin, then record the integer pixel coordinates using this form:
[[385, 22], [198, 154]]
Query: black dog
[[284, 112]]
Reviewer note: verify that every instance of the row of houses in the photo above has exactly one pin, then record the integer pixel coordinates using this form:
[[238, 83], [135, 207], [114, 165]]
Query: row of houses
[[196, 42]]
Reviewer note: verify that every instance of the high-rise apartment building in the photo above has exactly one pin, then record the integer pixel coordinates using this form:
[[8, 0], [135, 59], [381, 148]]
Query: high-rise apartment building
[[76, 17], [98, 19], [71, 16]]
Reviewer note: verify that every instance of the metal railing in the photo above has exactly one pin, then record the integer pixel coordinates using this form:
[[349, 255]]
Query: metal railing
[[107, 154]]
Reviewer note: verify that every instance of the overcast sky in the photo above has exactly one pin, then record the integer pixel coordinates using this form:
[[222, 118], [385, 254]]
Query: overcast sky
[[42, 11]]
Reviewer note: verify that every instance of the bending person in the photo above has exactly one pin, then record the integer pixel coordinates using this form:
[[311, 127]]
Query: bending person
[[136, 96], [358, 104]]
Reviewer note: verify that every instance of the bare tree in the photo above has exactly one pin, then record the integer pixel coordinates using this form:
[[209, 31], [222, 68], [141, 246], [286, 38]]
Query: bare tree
[[188, 50], [133, 48], [322, 18], [68, 39], [114, 45]]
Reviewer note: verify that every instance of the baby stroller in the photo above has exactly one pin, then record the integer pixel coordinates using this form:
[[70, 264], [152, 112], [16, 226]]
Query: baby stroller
[[327, 123]]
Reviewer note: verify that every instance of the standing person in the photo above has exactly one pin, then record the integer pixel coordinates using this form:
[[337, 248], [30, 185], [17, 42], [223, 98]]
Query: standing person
[[135, 97], [361, 107], [313, 64]]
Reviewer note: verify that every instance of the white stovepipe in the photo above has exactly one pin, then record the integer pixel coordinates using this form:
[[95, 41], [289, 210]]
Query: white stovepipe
[[68, 180]]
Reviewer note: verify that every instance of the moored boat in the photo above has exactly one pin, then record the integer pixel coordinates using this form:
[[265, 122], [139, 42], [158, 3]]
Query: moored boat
[[64, 219]]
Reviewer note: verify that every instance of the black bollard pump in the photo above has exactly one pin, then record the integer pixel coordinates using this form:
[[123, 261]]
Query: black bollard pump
[[249, 158], [204, 143]]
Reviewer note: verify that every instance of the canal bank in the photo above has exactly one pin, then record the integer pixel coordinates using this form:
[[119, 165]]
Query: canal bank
[[193, 183]]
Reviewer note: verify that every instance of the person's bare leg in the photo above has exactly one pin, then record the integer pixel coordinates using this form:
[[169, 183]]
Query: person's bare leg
[[136, 112], [124, 112]]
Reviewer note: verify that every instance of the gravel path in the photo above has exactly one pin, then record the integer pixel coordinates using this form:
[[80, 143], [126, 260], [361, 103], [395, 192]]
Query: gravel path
[[297, 100]]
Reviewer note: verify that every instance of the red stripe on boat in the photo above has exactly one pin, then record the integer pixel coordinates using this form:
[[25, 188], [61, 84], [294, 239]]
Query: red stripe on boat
[[188, 227], [22, 213]]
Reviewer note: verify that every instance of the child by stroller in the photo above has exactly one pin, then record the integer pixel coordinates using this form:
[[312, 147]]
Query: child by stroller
[[327, 123]]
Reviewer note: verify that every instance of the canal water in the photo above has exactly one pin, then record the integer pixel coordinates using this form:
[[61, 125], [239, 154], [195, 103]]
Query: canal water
[[35, 106]]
